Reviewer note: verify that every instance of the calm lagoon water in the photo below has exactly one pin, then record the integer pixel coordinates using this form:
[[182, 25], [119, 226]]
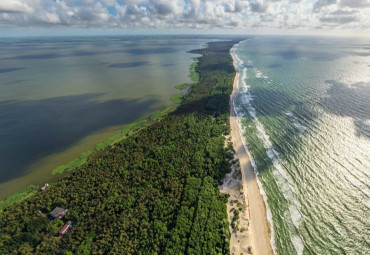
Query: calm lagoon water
[[304, 106], [60, 97]]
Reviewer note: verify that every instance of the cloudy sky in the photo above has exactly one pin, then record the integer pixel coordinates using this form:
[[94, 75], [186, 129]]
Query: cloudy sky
[[202, 16]]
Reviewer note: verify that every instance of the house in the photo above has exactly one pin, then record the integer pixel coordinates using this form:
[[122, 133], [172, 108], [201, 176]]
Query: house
[[44, 187], [65, 228], [58, 212]]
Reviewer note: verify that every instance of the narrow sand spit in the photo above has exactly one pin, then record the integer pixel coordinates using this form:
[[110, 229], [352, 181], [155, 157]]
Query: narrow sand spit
[[255, 239]]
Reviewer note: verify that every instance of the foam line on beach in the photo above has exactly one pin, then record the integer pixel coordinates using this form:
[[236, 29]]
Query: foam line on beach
[[279, 174], [239, 62]]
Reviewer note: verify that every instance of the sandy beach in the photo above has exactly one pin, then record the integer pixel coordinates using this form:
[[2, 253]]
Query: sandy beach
[[258, 231]]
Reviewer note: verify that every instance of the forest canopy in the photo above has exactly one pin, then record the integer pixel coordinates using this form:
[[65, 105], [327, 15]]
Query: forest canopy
[[154, 192]]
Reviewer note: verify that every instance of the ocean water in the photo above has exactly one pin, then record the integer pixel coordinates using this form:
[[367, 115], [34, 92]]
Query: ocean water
[[304, 108], [60, 96]]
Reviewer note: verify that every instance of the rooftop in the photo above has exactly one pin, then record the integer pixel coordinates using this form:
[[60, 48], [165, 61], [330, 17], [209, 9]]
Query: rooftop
[[58, 212]]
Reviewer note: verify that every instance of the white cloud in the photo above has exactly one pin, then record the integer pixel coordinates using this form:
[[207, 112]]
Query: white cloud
[[15, 6], [320, 4], [258, 5], [207, 14], [355, 3]]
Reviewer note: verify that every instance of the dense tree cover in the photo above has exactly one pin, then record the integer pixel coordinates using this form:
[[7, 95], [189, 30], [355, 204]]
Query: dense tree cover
[[155, 192], [18, 196]]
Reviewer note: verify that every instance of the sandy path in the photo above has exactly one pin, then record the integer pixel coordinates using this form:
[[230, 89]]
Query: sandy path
[[259, 226]]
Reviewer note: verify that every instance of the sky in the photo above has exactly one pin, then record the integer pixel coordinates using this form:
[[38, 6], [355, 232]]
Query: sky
[[59, 17]]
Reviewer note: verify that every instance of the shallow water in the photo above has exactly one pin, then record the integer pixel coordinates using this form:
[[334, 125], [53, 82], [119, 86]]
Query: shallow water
[[60, 96], [304, 105]]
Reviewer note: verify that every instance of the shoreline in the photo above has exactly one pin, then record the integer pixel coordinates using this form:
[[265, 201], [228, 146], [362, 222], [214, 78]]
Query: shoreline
[[43, 171], [52, 174], [41, 175], [186, 191], [259, 230]]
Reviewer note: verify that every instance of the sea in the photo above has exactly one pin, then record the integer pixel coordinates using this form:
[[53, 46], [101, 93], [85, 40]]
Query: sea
[[60, 96], [304, 110]]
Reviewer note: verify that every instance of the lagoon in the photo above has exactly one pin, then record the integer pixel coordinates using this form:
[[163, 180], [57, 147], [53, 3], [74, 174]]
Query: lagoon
[[59, 97]]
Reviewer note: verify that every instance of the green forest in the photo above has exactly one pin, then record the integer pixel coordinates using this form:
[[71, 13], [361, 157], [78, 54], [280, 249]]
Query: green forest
[[154, 192]]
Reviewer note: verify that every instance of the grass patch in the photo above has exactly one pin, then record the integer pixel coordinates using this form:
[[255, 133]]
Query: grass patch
[[126, 131], [77, 162], [176, 99], [194, 74], [18, 196], [158, 115], [182, 86]]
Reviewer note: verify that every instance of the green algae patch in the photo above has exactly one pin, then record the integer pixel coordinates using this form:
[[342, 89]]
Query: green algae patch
[[194, 72], [176, 99], [182, 86]]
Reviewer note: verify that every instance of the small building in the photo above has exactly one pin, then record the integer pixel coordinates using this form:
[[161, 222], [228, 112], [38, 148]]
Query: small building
[[45, 187], [58, 212], [65, 228]]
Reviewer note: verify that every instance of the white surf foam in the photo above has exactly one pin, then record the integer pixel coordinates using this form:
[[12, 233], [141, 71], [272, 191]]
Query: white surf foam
[[295, 122], [262, 191], [297, 243], [259, 74], [243, 77], [290, 114], [279, 174]]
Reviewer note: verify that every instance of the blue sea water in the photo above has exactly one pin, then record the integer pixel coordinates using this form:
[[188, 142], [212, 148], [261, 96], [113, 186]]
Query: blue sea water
[[304, 108]]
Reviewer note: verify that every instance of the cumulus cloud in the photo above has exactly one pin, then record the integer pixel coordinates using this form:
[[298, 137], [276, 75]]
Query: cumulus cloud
[[15, 6], [258, 6], [355, 3], [338, 19], [208, 14], [322, 4]]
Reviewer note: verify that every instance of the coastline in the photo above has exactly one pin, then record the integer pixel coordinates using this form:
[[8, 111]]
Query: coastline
[[51, 175], [47, 146], [105, 182], [41, 172], [259, 231]]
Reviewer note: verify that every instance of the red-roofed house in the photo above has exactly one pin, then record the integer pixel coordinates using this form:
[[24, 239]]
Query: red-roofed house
[[58, 212], [65, 228]]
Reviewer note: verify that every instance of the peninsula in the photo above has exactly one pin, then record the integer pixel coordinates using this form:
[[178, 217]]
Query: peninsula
[[157, 190]]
